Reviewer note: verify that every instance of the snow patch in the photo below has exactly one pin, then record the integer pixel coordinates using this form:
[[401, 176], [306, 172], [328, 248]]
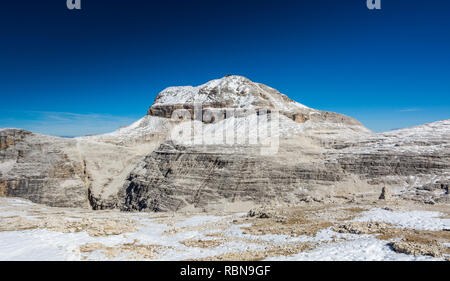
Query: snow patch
[[421, 220], [6, 166], [198, 220], [364, 248], [146, 126]]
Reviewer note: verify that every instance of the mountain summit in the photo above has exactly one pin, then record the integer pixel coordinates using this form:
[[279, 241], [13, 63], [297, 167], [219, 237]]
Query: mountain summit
[[238, 92], [230, 91]]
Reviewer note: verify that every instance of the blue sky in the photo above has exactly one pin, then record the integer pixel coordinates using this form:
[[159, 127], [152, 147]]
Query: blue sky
[[70, 73]]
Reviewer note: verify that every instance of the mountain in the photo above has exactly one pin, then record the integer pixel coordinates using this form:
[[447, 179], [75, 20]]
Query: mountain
[[229, 140], [237, 92]]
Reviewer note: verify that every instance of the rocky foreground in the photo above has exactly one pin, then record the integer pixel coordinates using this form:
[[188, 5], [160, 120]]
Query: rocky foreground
[[318, 155], [356, 228]]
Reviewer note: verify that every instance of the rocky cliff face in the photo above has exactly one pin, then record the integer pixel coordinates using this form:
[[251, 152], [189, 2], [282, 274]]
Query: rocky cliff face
[[36, 167], [82, 172], [174, 176], [141, 167]]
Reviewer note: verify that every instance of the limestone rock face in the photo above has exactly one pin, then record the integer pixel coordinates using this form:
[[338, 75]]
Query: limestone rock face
[[35, 167], [82, 172], [176, 176], [148, 167], [411, 157], [173, 177]]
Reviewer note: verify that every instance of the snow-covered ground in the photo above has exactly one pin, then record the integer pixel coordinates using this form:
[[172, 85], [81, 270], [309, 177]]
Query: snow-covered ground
[[361, 248], [423, 220], [44, 244], [169, 237]]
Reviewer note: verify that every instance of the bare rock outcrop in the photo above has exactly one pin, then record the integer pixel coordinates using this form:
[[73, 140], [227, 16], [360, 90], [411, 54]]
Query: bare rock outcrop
[[174, 176], [36, 167], [415, 248], [385, 194]]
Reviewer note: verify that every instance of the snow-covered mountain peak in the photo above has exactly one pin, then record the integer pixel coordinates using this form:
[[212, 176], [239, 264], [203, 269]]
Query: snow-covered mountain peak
[[230, 91]]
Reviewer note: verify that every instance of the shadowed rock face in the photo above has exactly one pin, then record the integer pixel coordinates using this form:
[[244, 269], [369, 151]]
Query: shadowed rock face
[[173, 177], [321, 154]]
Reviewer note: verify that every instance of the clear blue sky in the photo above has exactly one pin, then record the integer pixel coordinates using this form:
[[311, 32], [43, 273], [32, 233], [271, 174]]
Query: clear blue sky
[[71, 73]]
